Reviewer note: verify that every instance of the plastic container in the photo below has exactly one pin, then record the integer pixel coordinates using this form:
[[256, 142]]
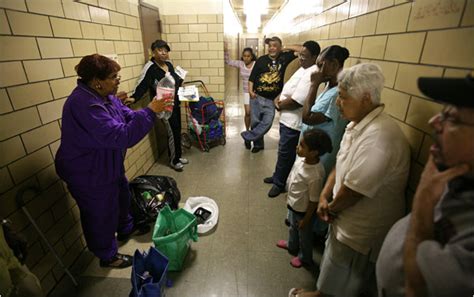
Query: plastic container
[[165, 86], [149, 274], [173, 233], [194, 203]]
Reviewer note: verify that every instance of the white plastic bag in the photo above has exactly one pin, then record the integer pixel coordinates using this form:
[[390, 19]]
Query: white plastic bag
[[193, 203]]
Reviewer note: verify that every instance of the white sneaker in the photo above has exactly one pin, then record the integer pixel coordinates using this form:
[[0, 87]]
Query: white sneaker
[[183, 161], [178, 166]]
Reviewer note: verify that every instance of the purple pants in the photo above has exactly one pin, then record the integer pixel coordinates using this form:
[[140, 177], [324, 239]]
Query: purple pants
[[104, 211]]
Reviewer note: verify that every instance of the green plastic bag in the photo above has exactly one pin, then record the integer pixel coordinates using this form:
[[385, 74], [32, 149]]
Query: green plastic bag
[[173, 233]]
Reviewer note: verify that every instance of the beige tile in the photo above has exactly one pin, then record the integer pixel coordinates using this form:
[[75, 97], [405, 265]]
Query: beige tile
[[200, 63], [428, 14], [31, 164], [117, 19], [54, 147], [179, 29], [373, 47], [324, 32], [458, 46], [217, 80], [6, 179], [210, 71], [51, 111], [121, 47], [18, 48], [405, 47], [209, 55], [425, 149], [30, 94], [63, 87], [185, 64], [192, 55], [365, 25], [131, 22], [171, 19], [456, 73], [394, 19], [29, 24], [348, 28], [99, 15], [55, 47], [24, 120], [109, 4], [354, 46], [41, 136], [174, 37], [216, 63], [194, 71], [105, 47], [220, 18], [12, 150], [420, 111], [4, 27], [137, 35], [219, 28], [414, 137], [92, 31], [187, 19], [135, 47], [200, 28], [126, 73], [335, 30], [5, 105], [331, 16], [91, 2], [43, 69], [134, 9], [185, 37], [69, 65], [130, 60], [66, 28], [50, 7], [16, 5], [111, 32], [468, 18], [343, 11], [212, 46], [16, 74], [408, 75], [396, 103], [389, 70], [179, 46], [123, 6], [76, 11], [207, 18], [126, 34]]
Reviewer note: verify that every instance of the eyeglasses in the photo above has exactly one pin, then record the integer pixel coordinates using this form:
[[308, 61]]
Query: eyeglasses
[[115, 77], [445, 116]]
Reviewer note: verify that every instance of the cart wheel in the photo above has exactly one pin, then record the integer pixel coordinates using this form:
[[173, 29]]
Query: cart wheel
[[185, 140], [206, 148], [223, 141]]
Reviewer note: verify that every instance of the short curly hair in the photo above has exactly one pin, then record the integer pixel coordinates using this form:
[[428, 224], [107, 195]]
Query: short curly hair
[[96, 66], [317, 140]]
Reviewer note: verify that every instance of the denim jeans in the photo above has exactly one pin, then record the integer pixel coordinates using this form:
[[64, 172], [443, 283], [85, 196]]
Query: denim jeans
[[301, 240], [286, 155], [262, 112]]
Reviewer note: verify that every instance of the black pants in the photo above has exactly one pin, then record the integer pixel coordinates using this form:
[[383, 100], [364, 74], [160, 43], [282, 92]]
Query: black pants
[[174, 135]]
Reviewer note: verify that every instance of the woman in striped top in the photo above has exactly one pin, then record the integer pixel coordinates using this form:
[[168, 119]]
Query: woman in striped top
[[245, 65]]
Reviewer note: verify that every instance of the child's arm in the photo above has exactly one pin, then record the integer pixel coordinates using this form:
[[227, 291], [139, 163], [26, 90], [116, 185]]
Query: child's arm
[[314, 189], [309, 214]]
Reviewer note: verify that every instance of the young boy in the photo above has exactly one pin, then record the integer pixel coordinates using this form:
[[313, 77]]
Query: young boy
[[304, 186]]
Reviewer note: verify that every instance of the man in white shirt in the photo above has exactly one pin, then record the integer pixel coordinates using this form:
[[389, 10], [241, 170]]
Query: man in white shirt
[[290, 104], [364, 195]]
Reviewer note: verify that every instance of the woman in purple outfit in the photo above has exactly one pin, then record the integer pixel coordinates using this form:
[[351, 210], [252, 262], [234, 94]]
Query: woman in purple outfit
[[245, 65], [96, 131]]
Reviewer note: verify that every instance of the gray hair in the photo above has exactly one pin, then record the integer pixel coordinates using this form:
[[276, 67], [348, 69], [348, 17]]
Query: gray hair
[[360, 79]]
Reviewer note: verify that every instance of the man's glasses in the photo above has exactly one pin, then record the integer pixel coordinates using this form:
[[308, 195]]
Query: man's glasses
[[445, 116]]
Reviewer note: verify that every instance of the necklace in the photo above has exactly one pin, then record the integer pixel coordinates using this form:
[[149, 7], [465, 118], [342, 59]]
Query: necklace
[[164, 67]]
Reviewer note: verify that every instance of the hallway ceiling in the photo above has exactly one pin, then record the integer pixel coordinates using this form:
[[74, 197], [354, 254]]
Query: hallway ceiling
[[273, 6]]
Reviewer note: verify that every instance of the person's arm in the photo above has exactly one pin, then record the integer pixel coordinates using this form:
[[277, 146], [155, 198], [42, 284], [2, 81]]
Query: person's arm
[[325, 197], [309, 117], [251, 92], [293, 47], [421, 226], [312, 206], [344, 198], [143, 83], [232, 63], [314, 189], [288, 104]]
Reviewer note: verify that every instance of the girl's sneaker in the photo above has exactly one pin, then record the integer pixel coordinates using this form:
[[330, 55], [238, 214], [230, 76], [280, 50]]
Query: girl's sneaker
[[283, 244], [296, 262]]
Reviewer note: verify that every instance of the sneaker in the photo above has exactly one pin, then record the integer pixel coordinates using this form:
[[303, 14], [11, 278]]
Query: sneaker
[[296, 262], [178, 166], [287, 222], [256, 149], [274, 191], [283, 244], [268, 180], [183, 161], [248, 145], [117, 261]]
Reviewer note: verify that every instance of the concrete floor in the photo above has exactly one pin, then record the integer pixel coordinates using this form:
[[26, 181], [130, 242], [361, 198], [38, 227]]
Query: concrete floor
[[239, 259]]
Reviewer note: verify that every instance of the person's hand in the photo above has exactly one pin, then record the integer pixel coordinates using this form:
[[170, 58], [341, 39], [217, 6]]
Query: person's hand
[[252, 95], [164, 104], [323, 211], [433, 182], [276, 102], [302, 223]]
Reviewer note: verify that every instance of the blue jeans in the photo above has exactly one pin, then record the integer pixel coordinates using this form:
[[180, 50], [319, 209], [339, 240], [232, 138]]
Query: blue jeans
[[300, 240], [262, 112], [286, 155]]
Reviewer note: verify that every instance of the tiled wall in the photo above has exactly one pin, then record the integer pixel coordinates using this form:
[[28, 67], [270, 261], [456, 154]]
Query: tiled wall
[[197, 45], [40, 43], [408, 40]]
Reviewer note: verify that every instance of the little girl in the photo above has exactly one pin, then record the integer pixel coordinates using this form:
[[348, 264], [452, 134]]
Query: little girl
[[245, 64], [304, 186]]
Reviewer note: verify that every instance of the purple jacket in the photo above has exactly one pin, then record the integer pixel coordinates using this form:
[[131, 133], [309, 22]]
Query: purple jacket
[[95, 137]]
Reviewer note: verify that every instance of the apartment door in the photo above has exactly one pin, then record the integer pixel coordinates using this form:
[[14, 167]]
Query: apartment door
[[252, 43]]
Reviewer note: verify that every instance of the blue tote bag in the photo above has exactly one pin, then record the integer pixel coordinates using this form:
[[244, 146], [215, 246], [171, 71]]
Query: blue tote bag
[[149, 274]]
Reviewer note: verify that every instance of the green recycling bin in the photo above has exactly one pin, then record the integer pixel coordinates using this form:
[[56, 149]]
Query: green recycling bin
[[173, 233]]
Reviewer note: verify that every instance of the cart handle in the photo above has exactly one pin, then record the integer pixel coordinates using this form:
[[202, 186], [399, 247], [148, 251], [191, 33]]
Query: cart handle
[[21, 193], [203, 85]]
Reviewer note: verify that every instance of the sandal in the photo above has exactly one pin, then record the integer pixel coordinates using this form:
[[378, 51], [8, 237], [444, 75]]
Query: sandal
[[117, 261]]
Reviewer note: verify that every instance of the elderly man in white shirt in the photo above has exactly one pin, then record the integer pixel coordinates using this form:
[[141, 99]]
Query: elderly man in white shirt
[[364, 194]]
